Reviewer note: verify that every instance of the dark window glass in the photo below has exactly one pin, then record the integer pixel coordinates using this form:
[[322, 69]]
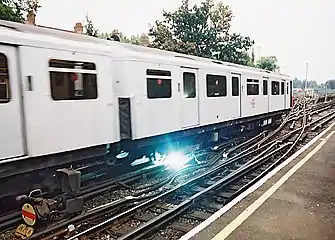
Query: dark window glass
[[235, 86], [155, 72], [57, 63], [158, 88], [189, 85], [77, 85], [216, 85], [265, 87], [282, 88], [158, 84], [287, 91], [73, 86], [252, 89], [252, 80], [274, 88], [4, 80]]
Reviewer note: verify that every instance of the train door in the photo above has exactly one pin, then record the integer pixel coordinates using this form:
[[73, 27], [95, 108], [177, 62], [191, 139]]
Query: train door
[[283, 93], [189, 97], [265, 90], [287, 94], [236, 92], [252, 100], [11, 133], [291, 93]]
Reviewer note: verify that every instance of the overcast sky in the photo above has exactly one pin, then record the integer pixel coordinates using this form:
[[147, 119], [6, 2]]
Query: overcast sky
[[295, 31]]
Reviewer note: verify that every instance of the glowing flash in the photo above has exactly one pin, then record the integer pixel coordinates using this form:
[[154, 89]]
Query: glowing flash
[[176, 160]]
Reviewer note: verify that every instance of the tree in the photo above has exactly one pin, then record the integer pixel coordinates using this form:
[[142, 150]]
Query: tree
[[140, 39], [15, 10], [297, 83], [252, 58], [202, 31], [268, 63], [90, 29]]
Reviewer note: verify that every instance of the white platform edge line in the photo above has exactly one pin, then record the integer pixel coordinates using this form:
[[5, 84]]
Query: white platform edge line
[[250, 190], [239, 220]]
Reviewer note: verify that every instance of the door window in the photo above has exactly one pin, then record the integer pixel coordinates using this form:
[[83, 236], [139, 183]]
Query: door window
[[189, 85], [4, 80], [235, 86]]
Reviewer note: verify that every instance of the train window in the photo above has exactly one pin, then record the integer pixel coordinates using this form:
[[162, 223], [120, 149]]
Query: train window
[[282, 88], [189, 85], [235, 86], [4, 80], [70, 80], [252, 86], [158, 88], [158, 84], [265, 87], [287, 91], [216, 85], [252, 89], [155, 72], [252, 80], [274, 88], [56, 63]]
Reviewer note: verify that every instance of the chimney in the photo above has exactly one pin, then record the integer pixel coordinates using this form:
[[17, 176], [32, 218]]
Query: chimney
[[78, 28], [31, 18]]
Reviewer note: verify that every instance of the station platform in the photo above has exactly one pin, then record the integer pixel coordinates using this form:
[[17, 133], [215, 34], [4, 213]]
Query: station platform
[[294, 201]]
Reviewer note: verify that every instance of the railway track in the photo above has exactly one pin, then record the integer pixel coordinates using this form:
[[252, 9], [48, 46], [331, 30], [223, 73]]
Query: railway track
[[183, 204], [135, 183], [175, 212]]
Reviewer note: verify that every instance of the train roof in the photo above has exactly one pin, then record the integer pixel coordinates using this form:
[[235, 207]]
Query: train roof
[[40, 36]]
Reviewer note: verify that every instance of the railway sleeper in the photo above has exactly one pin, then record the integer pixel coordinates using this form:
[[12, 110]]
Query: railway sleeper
[[210, 205], [181, 226], [198, 215]]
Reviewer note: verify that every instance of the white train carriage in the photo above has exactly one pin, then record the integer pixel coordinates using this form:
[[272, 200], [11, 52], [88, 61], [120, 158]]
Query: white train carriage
[[169, 92], [54, 100], [63, 92]]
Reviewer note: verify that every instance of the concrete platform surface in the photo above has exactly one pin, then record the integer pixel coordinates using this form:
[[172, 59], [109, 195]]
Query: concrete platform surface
[[297, 206]]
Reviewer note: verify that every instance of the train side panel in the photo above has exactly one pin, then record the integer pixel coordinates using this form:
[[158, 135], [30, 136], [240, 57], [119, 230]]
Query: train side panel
[[253, 99], [217, 103], [154, 96], [12, 139], [68, 99], [288, 94], [277, 95]]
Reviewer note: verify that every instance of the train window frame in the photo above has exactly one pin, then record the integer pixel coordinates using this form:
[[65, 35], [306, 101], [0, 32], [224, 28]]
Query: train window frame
[[63, 73], [265, 87], [191, 86], [252, 83], [282, 88], [235, 91], [273, 93], [163, 78], [219, 82], [5, 83]]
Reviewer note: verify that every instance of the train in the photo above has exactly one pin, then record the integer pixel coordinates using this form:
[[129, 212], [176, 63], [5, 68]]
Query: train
[[63, 92]]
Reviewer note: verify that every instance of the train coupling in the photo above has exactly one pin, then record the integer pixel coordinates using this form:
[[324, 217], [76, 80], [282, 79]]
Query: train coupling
[[37, 209]]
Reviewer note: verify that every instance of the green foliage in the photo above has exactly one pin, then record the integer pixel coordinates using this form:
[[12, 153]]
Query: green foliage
[[140, 39], [15, 10], [202, 31], [252, 58], [90, 29], [331, 84], [310, 84], [268, 63]]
